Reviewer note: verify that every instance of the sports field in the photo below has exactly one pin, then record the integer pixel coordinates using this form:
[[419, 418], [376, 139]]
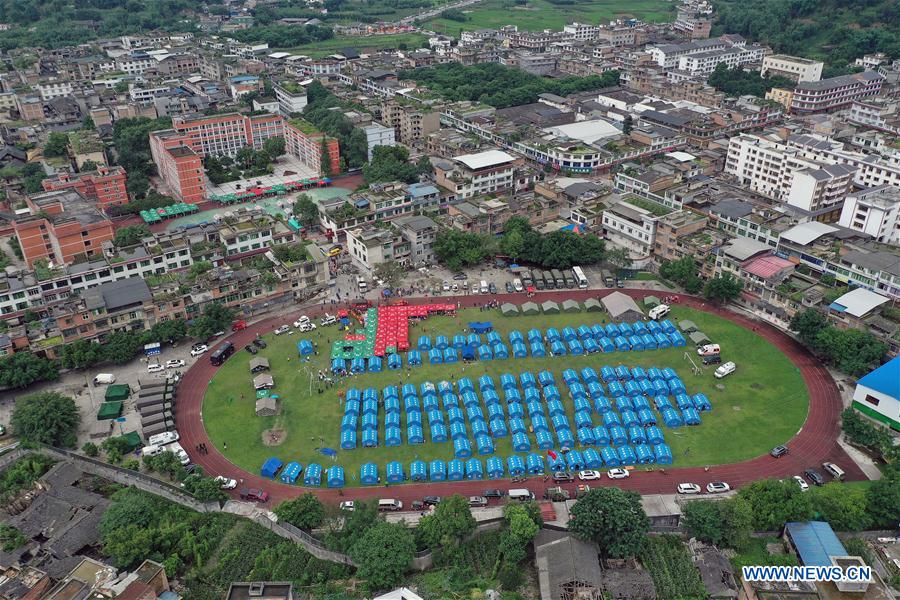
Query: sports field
[[368, 43], [538, 15], [764, 403]]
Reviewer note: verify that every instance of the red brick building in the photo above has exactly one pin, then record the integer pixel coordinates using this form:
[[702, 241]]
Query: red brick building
[[106, 185]]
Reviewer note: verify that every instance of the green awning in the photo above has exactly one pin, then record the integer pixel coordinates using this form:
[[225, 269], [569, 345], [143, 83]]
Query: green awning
[[109, 410], [117, 392]]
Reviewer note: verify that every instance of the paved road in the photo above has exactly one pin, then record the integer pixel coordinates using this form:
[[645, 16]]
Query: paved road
[[814, 443]]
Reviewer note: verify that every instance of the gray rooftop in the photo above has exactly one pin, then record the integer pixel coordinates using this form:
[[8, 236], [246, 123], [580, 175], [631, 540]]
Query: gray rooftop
[[117, 294]]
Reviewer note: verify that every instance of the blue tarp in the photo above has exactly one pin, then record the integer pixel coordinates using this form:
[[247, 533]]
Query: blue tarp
[[335, 476], [481, 327], [305, 347], [291, 472], [418, 470], [313, 475]]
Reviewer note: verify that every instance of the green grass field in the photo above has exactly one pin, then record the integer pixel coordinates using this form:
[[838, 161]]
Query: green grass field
[[359, 43], [538, 15], [762, 404]]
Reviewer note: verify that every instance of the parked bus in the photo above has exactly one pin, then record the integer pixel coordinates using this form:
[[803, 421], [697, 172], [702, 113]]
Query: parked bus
[[580, 279], [221, 354], [558, 279]]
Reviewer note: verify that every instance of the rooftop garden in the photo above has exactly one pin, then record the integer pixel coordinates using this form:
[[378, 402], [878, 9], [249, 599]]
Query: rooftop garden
[[656, 209], [304, 126], [83, 142], [292, 87]]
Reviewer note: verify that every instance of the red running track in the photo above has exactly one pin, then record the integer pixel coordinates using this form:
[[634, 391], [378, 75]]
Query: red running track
[[815, 443]]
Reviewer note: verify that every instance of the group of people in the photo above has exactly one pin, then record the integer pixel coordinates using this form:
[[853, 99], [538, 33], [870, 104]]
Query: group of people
[[489, 305], [201, 448]]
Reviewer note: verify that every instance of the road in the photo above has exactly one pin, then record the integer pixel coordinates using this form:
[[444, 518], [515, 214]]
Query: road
[[434, 12], [814, 443]]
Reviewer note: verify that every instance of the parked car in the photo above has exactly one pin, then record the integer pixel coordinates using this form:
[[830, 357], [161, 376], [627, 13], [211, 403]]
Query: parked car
[[175, 363], [493, 493], [260, 343], [779, 451], [492, 288], [239, 325], [328, 320], [301, 321], [509, 288], [347, 505], [477, 501], [460, 276], [431, 500], [814, 476], [417, 505], [725, 370], [445, 286], [589, 475], [801, 483], [198, 349], [717, 487], [254, 494], [305, 327], [155, 368], [618, 473], [712, 359], [562, 477], [709, 349], [454, 288], [251, 349], [282, 329], [556, 494], [689, 488], [225, 483]]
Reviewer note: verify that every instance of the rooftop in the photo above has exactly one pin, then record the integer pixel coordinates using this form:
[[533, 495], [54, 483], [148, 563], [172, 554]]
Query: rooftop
[[884, 379], [654, 208], [481, 160], [815, 542], [858, 302], [117, 294]]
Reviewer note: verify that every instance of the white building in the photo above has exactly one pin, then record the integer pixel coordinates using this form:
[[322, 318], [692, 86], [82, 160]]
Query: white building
[[54, 89], [877, 113], [632, 224], [668, 55], [476, 174], [704, 63], [871, 170], [877, 395], [792, 67], [378, 135], [581, 31], [781, 172], [135, 64], [874, 211], [291, 97]]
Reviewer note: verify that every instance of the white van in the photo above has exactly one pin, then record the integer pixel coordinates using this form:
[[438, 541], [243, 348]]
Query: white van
[[151, 450], [708, 349], [161, 439], [179, 453], [363, 286], [517, 285], [521, 494], [658, 312], [726, 369], [389, 505], [483, 286], [104, 378], [834, 470]]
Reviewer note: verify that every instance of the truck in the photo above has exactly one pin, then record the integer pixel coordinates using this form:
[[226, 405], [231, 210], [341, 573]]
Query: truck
[[104, 379], [608, 279], [558, 278], [549, 281], [556, 494]]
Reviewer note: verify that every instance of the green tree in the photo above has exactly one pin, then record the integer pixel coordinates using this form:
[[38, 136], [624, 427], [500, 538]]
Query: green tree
[[737, 515], [703, 520], [390, 272], [81, 354], [842, 506], [808, 324], [121, 347], [90, 449], [57, 144], [775, 502], [390, 163], [613, 518], [216, 317], [88, 166], [47, 418], [723, 288], [306, 211], [618, 259], [883, 498], [450, 523], [520, 531], [627, 124], [512, 245], [24, 368], [165, 463], [204, 489], [11, 538], [383, 554], [424, 166], [133, 234], [457, 249], [274, 146], [305, 512]]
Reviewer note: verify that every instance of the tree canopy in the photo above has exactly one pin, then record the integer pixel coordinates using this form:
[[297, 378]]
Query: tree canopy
[[738, 82], [853, 351], [130, 235], [24, 368], [448, 525], [216, 317], [47, 418], [304, 512], [613, 518], [319, 111], [683, 272], [383, 554], [723, 288], [390, 163]]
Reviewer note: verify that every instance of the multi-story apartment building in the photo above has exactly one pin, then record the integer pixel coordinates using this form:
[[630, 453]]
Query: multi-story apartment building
[[878, 113], [617, 36], [632, 224], [793, 67], [872, 170], [291, 97], [54, 89], [581, 31], [182, 63], [668, 55], [105, 186], [704, 63], [378, 135], [410, 123], [136, 63], [781, 172], [471, 175], [826, 95], [369, 246], [379, 203], [179, 166], [60, 227], [874, 211]]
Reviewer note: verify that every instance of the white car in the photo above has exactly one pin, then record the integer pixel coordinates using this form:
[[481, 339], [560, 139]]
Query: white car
[[301, 321], [282, 329], [175, 363], [589, 475], [155, 368], [347, 505], [618, 473], [328, 320], [801, 483], [306, 327], [689, 488], [724, 370], [717, 487], [161, 439], [199, 349], [225, 483]]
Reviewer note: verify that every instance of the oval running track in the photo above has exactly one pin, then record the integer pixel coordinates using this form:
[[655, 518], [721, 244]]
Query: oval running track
[[815, 443]]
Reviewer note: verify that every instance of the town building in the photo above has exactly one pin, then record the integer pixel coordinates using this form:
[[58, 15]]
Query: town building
[[471, 175], [825, 95], [291, 97], [632, 223], [410, 123], [874, 211], [793, 67], [378, 135], [106, 185], [877, 395]]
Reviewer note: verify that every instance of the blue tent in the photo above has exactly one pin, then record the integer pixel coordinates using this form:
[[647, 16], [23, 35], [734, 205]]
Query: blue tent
[[459, 341], [441, 342], [395, 472], [663, 341], [455, 415], [671, 418], [623, 403], [637, 343], [370, 394], [515, 337], [370, 407], [494, 468], [494, 338], [370, 438], [622, 344], [474, 413], [552, 335], [437, 470], [660, 387], [701, 402], [644, 454], [581, 404], [414, 435], [602, 405], [646, 417], [575, 460], [418, 470], [677, 339], [608, 374], [544, 439], [313, 475], [568, 333], [629, 418], [683, 401], [348, 440], [654, 327], [592, 459], [520, 442], [560, 422], [582, 419], [392, 419], [590, 346], [413, 418], [586, 436], [519, 350], [534, 335], [486, 382], [392, 436], [516, 424], [606, 344], [527, 380], [647, 387], [368, 474], [335, 476], [557, 463], [601, 435], [338, 365], [639, 327], [676, 386], [653, 373], [516, 465], [654, 435], [661, 403], [348, 423], [639, 402], [465, 385], [473, 469], [637, 435], [611, 418], [431, 404], [617, 435], [555, 407], [557, 348], [494, 410], [498, 428], [669, 373], [626, 455], [484, 444], [513, 397], [537, 350], [462, 448], [539, 423], [445, 387], [291, 472], [595, 390], [610, 457], [485, 353], [663, 454], [394, 362], [352, 395], [576, 348], [589, 375], [534, 463], [667, 326], [435, 417], [305, 347], [458, 430], [623, 373], [565, 438], [438, 433], [691, 416], [584, 332], [413, 358], [649, 341], [501, 352], [612, 330], [450, 355], [411, 403], [597, 330], [479, 428], [455, 470], [369, 421], [390, 391], [625, 329], [424, 343], [473, 340], [545, 378], [450, 401], [375, 364], [358, 365], [508, 382]]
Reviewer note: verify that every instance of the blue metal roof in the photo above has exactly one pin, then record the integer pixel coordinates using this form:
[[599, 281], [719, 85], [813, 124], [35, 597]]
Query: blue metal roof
[[815, 542], [885, 379]]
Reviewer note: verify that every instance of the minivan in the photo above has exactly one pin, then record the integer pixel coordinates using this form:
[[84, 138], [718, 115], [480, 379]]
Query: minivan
[[521, 494], [483, 287], [708, 349], [726, 369], [834, 470], [104, 378], [151, 450], [389, 505], [517, 284], [658, 312]]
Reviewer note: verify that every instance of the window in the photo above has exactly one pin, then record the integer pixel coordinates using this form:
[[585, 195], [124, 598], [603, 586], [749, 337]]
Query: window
[[872, 400]]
